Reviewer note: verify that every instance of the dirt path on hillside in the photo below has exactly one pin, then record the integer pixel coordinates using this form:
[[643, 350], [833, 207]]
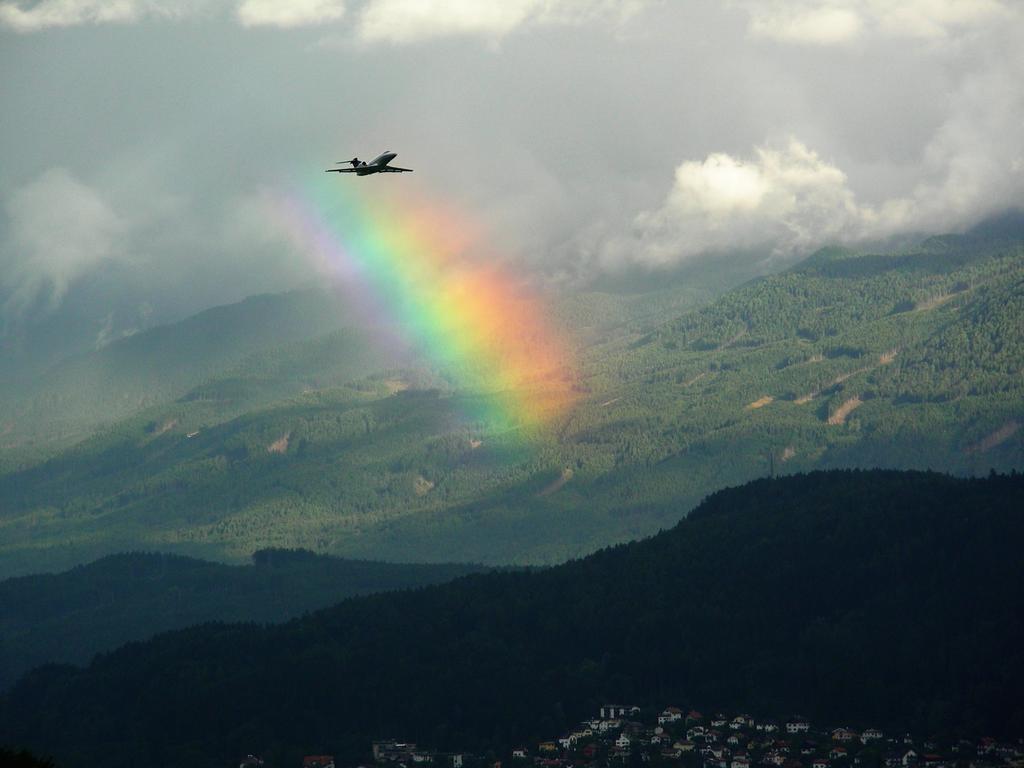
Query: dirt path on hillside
[[280, 445], [840, 414], [1000, 436], [564, 478], [886, 358]]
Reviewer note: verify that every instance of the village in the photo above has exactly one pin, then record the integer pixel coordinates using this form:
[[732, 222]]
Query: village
[[624, 735]]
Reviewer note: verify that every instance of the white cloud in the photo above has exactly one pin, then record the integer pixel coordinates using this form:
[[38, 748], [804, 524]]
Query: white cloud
[[787, 196], [790, 200], [408, 21], [66, 13], [829, 22], [823, 25], [60, 229], [34, 17], [296, 13]]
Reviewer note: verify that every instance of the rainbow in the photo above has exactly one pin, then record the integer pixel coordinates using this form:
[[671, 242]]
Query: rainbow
[[424, 270]]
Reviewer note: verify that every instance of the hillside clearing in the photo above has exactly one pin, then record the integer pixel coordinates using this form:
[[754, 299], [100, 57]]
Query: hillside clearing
[[840, 414]]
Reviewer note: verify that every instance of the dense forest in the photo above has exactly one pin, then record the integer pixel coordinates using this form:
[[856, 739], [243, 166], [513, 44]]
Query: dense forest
[[71, 616], [884, 598]]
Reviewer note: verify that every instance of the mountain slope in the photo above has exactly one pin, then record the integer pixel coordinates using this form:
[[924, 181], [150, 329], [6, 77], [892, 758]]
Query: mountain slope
[[908, 360], [883, 598], [71, 616], [70, 399]]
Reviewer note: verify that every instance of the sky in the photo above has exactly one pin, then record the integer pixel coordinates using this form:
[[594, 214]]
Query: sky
[[145, 142]]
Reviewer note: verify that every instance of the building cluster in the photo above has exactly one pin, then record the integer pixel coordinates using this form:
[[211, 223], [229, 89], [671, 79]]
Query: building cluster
[[620, 734], [623, 735]]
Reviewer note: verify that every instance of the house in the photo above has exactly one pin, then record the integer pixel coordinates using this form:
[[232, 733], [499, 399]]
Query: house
[[741, 721], [612, 711], [718, 721], [739, 762], [391, 751], [318, 761], [547, 747], [251, 761], [819, 762], [843, 735], [693, 716], [695, 731], [684, 746], [871, 734], [838, 753], [623, 741], [768, 726], [909, 758], [798, 725], [670, 715], [520, 754]]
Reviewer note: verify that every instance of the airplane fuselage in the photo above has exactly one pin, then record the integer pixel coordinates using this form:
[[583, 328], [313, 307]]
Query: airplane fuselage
[[376, 165]]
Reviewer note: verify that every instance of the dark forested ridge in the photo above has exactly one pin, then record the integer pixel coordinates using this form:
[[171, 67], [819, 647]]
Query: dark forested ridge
[[870, 597], [71, 616]]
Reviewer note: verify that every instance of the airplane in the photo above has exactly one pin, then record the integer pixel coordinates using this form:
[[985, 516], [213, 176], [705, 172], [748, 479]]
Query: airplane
[[377, 165]]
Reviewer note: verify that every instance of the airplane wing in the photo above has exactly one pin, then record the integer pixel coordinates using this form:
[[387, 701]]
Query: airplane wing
[[341, 170], [393, 169]]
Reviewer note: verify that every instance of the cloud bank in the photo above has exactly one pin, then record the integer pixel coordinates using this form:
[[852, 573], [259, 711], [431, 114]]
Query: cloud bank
[[388, 21], [830, 22], [588, 137], [410, 21]]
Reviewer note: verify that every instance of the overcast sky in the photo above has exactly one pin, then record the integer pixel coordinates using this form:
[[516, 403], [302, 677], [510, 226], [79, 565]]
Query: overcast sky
[[585, 136]]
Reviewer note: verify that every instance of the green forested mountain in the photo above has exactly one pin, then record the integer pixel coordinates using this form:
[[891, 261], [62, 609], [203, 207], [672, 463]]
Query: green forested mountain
[[71, 616], [905, 360], [254, 340], [891, 599]]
